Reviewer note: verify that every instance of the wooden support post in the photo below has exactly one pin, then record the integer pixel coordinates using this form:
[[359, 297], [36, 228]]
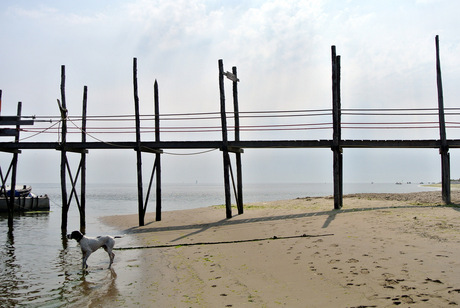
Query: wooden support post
[[82, 207], [157, 155], [140, 194], [337, 136], [63, 110], [226, 157], [14, 164], [239, 174], [444, 149]]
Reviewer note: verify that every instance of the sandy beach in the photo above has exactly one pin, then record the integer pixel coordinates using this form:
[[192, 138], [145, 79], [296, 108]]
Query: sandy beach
[[380, 250]]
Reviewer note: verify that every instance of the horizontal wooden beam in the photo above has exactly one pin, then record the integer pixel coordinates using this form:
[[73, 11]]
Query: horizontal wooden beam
[[247, 144], [13, 151], [150, 150], [8, 132], [14, 120], [393, 143], [72, 149]]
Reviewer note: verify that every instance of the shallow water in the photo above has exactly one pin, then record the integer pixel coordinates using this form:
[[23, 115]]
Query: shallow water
[[38, 268]]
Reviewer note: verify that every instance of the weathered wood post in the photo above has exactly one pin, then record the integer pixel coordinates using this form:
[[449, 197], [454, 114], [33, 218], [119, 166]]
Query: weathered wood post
[[82, 207], [226, 157], [138, 147], [14, 164], [158, 153], [239, 172], [337, 135], [63, 110], [444, 148], [65, 166]]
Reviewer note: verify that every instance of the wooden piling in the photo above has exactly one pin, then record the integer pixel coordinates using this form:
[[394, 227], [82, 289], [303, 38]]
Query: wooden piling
[[140, 194], [14, 164], [226, 157], [63, 110], [337, 135], [158, 154], [239, 172], [82, 207], [444, 148]]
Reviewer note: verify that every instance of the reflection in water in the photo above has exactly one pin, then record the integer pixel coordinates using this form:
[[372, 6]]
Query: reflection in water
[[37, 272], [80, 289], [99, 289], [9, 270], [20, 271], [39, 267]]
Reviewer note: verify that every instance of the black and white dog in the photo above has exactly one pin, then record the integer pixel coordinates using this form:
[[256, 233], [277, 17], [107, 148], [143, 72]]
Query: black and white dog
[[89, 245]]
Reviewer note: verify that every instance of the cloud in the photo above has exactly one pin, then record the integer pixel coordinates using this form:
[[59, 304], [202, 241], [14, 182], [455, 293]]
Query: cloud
[[277, 31], [172, 25]]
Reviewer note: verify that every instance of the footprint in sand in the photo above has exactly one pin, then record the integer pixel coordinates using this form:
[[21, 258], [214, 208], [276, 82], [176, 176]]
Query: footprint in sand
[[433, 280], [352, 260], [333, 261], [406, 299]]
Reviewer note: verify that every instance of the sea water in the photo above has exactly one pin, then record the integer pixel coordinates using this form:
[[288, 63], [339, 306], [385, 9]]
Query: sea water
[[38, 268]]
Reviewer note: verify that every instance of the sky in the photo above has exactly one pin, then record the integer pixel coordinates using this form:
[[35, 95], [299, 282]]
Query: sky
[[282, 50]]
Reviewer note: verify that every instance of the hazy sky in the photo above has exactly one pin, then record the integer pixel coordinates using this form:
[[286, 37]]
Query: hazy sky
[[282, 51]]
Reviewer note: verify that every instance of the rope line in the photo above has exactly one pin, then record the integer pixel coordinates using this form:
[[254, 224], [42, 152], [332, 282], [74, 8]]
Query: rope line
[[195, 153], [281, 125], [91, 136], [38, 133], [169, 153], [223, 242]]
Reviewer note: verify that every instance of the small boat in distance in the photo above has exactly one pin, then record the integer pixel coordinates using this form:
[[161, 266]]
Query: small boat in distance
[[24, 199]]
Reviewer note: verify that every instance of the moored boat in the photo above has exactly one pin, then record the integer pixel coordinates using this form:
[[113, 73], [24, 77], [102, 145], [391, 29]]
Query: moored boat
[[24, 199]]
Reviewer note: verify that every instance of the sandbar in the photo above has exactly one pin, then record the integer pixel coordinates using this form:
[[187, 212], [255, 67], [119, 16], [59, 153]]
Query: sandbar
[[379, 250]]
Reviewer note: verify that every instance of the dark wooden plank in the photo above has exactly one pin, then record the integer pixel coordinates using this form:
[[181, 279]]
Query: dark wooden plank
[[8, 132], [244, 144], [14, 120]]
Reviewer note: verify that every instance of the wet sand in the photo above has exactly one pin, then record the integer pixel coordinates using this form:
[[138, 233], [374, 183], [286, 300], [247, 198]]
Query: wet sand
[[380, 250]]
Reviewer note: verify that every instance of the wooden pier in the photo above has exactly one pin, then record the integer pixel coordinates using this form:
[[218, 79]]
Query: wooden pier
[[227, 147]]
